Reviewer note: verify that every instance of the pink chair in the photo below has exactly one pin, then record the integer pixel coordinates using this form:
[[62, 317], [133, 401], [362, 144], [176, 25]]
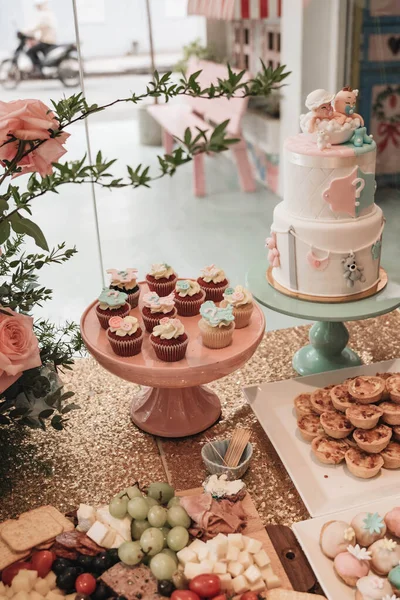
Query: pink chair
[[203, 113]]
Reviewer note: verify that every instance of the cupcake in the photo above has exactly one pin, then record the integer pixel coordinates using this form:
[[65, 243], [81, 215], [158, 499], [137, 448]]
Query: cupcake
[[125, 281], [156, 308], [213, 282], [125, 335], [216, 325], [111, 304], [161, 279], [169, 340], [242, 303], [188, 297]]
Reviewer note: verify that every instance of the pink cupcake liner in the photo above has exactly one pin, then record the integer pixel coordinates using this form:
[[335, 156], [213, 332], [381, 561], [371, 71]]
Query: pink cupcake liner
[[216, 294], [151, 322], [163, 288], [133, 299], [118, 312], [242, 315], [187, 307], [126, 346], [216, 337], [170, 353]]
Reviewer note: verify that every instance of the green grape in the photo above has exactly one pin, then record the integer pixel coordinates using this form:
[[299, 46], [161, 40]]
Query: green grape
[[162, 492], [157, 516], [174, 501], [138, 508], [133, 492], [151, 501], [152, 541], [165, 531], [170, 553], [130, 553], [118, 507], [137, 528], [178, 516], [121, 494], [178, 538], [162, 566]]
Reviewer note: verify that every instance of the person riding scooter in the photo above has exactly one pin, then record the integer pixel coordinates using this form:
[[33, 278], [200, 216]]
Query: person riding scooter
[[43, 30]]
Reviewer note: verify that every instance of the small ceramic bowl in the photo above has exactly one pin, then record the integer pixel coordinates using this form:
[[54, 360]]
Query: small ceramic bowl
[[214, 464]]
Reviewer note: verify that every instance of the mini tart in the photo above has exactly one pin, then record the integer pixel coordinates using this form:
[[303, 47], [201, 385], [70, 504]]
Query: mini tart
[[385, 377], [363, 465], [321, 400], [393, 388], [310, 427], [328, 450], [391, 413], [396, 433], [341, 397], [364, 416], [336, 425], [367, 389], [391, 456], [373, 440], [302, 405]]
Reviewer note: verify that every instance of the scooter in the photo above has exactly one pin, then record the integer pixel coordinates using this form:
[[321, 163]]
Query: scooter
[[59, 62]]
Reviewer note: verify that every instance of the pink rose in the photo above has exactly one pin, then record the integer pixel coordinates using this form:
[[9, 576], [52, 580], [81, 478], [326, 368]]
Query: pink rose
[[40, 160], [26, 120], [19, 350], [115, 322]]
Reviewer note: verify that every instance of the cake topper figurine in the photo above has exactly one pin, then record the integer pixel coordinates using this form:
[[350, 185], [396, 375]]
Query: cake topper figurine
[[319, 103], [352, 271], [344, 105]]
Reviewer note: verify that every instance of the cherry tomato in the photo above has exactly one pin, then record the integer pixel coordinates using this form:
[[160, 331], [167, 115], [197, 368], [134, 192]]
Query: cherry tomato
[[10, 572], [85, 584], [184, 595], [220, 597], [206, 586], [249, 596], [42, 562]]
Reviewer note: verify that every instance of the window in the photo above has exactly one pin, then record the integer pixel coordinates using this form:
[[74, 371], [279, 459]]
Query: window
[[270, 40], [246, 61], [271, 64], [237, 35], [246, 35], [278, 42]]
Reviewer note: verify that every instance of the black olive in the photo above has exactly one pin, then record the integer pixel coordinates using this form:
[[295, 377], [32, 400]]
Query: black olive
[[101, 563], [165, 587], [60, 564], [85, 562], [66, 580], [102, 592], [113, 556]]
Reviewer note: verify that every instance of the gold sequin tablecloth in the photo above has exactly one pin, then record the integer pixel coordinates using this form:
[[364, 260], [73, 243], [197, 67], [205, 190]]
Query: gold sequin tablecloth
[[101, 451]]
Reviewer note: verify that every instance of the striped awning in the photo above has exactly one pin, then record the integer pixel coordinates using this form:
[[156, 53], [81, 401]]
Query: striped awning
[[236, 9]]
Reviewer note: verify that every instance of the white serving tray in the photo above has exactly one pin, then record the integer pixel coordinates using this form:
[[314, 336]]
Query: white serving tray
[[308, 533], [324, 488]]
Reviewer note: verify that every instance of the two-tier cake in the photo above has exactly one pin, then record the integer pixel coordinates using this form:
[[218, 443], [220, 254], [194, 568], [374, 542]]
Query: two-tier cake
[[326, 234]]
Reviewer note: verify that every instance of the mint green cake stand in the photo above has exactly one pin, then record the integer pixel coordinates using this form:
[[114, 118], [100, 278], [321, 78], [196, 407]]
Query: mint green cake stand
[[329, 336]]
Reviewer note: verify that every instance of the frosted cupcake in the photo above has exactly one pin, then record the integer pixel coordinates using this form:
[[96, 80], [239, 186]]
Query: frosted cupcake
[[188, 297], [213, 282], [161, 279], [216, 325], [111, 304], [242, 302], [125, 335], [125, 281], [169, 340], [156, 308]]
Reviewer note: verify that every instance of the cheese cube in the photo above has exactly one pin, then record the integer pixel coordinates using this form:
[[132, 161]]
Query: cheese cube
[[220, 568], [267, 571], [253, 546], [196, 545], [32, 576], [3, 597], [207, 566], [121, 526], [273, 582], [261, 559], [51, 580], [10, 592], [2, 589], [245, 559], [217, 550], [233, 553], [252, 574], [33, 595], [52, 595], [236, 539], [219, 543], [226, 581], [235, 568], [191, 570], [258, 586], [21, 582], [240, 584], [70, 596], [203, 553], [118, 540], [86, 517], [42, 587], [101, 534], [186, 555], [22, 595]]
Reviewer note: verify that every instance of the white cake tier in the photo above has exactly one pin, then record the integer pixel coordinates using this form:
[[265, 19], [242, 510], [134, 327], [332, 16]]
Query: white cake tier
[[315, 257], [309, 173]]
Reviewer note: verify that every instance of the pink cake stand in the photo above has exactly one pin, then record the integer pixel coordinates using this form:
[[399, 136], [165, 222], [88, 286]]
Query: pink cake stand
[[176, 404]]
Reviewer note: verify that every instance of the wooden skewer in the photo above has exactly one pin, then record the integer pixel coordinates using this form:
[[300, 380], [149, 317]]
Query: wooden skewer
[[215, 450], [236, 446]]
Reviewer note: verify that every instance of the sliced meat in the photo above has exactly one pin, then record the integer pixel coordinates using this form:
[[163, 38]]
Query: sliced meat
[[134, 583], [76, 540], [214, 516], [196, 506], [63, 552]]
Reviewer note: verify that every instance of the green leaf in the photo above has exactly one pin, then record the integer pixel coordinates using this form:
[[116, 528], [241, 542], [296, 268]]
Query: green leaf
[[3, 205], [70, 407], [26, 226], [46, 413], [4, 231]]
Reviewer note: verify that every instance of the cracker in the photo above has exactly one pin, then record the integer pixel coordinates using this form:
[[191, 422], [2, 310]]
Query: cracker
[[33, 529], [280, 594], [8, 556], [66, 524], [45, 546]]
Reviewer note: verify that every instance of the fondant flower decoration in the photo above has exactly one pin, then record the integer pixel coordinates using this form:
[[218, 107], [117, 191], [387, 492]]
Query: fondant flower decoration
[[388, 544], [319, 264], [125, 325], [229, 291], [151, 298], [376, 249], [164, 321], [373, 523], [183, 285], [359, 553], [214, 316], [123, 276], [112, 297], [237, 296], [115, 322], [273, 254], [377, 583], [349, 534]]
